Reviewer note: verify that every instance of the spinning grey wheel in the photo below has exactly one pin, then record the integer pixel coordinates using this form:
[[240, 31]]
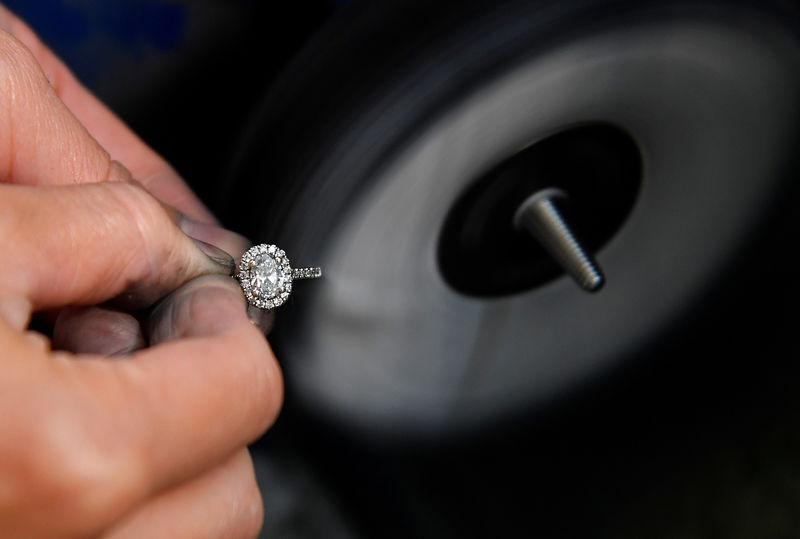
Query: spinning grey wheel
[[397, 148]]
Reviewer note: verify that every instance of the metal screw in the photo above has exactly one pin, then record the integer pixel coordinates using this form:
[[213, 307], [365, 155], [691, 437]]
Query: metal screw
[[540, 217]]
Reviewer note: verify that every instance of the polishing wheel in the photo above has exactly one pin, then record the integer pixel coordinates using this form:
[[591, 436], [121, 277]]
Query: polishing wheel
[[396, 149]]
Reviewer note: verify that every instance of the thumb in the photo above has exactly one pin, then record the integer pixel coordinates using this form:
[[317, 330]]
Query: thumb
[[85, 244]]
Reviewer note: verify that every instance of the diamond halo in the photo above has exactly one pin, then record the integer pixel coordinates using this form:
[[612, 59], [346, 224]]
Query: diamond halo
[[266, 276]]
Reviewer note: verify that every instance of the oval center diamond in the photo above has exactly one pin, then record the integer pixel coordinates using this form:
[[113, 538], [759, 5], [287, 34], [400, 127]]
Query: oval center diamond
[[267, 279], [266, 276]]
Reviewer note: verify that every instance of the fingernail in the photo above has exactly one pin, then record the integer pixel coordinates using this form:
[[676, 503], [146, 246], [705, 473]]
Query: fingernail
[[227, 240], [261, 318], [16, 311], [216, 254]]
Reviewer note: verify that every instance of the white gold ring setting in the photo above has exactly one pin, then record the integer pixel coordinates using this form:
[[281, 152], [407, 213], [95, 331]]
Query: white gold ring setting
[[266, 276]]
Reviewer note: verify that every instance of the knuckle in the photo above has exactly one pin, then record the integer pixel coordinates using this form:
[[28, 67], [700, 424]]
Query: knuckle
[[143, 217], [139, 206]]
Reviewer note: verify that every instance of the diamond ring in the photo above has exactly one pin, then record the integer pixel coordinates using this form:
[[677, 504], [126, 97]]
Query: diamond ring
[[266, 276]]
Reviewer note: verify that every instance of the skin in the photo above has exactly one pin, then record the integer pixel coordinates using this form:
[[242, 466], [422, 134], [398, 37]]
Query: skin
[[124, 425]]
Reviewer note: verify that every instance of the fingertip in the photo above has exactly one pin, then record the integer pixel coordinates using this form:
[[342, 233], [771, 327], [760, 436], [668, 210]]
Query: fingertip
[[97, 330], [174, 257], [227, 240], [205, 306], [217, 255]]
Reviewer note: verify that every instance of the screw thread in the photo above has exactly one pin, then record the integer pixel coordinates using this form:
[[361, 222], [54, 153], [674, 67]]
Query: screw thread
[[541, 218]]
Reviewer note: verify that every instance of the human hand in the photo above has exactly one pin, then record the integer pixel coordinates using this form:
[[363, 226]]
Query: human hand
[[151, 444]]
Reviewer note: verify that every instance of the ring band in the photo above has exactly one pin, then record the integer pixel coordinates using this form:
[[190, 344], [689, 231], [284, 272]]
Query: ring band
[[266, 276], [306, 273]]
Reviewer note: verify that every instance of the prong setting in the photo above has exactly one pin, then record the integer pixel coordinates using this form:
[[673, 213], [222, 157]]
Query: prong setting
[[265, 276]]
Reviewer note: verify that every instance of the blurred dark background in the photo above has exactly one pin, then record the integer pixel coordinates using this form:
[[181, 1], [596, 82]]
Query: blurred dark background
[[184, 75], [699, 438]]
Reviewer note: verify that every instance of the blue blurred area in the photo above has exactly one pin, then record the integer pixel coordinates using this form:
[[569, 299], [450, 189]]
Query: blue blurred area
[[123, 49], [93, 37], [179, 72]]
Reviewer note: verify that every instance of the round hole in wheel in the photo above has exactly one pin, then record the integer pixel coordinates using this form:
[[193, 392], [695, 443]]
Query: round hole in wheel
[[388, 121], [482, 253]]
